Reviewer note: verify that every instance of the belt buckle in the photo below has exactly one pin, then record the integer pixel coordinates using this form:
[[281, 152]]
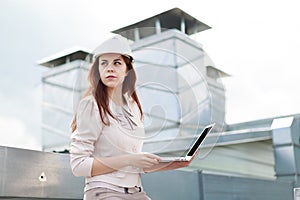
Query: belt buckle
[[126, 190]]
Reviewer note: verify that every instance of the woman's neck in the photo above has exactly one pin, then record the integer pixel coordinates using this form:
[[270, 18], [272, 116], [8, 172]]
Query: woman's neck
[[116, 95]]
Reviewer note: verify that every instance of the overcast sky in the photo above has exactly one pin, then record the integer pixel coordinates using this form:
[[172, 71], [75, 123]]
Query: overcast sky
[[257, 42]]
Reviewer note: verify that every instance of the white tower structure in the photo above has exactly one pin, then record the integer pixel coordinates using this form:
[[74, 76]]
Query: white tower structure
[[66, 68]]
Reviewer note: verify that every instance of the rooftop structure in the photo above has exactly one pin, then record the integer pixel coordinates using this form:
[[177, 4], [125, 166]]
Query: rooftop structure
[[63, 85], [66, 56], [171, 19]]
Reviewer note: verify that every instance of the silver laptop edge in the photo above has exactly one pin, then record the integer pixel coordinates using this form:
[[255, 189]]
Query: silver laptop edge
[[193, 148]]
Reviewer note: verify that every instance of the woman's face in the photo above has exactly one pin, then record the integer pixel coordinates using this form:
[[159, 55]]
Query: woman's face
[[112, 69]]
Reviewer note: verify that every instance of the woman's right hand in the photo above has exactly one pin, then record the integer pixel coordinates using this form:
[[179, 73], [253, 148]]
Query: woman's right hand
[[143, 160]]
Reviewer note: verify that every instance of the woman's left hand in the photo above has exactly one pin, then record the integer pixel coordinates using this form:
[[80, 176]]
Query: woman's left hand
[[180, 164], [171, 165]]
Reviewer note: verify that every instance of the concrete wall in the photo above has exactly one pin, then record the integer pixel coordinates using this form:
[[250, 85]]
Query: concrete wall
[[179, 185]]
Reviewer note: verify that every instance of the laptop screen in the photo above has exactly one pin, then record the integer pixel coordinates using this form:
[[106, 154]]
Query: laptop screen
[[199, 140]]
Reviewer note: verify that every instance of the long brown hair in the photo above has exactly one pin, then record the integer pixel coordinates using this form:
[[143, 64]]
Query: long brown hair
[[99, 90]]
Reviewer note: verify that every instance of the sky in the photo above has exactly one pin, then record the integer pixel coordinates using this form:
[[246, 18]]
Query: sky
[[256, 42]]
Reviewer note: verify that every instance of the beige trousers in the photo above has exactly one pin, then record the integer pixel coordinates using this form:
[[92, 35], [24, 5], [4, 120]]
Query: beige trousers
[[108, 194]]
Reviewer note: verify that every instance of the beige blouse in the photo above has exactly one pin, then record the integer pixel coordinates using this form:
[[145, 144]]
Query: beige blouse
[[93, 139]]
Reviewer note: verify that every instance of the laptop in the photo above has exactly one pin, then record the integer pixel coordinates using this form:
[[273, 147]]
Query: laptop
[[193, 149]]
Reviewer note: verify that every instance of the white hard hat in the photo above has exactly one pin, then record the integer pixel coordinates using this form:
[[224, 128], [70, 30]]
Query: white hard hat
[[117, 44]]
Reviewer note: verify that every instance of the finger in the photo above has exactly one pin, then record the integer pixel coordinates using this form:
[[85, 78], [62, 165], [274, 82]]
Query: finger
[[151, 160], [183, 164], [153, 156], [146, 165]]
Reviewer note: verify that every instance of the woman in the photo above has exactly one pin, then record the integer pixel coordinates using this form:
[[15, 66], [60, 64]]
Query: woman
[[108, 131]]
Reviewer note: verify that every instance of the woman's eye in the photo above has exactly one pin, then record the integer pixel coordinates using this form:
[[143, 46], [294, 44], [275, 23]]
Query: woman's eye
[[103, 63], [117, 63]]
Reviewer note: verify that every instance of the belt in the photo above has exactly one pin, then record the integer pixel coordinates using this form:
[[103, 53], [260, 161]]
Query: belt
[[126, 190]]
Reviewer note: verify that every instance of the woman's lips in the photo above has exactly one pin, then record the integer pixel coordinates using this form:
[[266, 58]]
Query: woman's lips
[[111, 77]]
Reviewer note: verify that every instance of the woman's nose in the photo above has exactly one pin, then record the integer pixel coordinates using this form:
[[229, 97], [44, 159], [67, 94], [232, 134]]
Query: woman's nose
[[110, 68]]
